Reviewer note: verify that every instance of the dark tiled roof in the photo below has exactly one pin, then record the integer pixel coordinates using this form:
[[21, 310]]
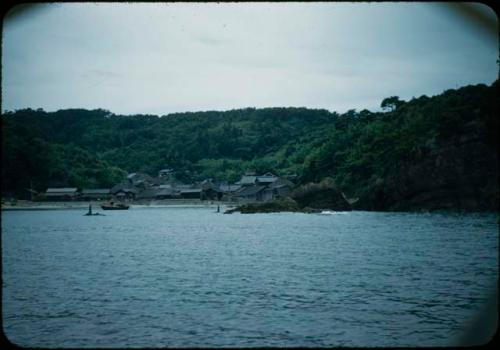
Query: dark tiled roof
[[208, 184], [139, 177], [191, 190], [214, 189], [167, 192], [266, 179], [148, 193], [248, 191], [124, 186], [96, 191], [127, 190], [280, 182], [229, 188], [184, 187], [62, 190], [247, 180]]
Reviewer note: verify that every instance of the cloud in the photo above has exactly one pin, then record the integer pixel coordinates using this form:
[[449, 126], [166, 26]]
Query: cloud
[[157, 58], [211, 41]]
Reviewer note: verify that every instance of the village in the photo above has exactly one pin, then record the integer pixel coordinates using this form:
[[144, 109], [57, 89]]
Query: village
[[141, 188]]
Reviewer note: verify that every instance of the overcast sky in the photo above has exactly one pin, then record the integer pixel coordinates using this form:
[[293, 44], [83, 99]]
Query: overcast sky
[[160, 58]]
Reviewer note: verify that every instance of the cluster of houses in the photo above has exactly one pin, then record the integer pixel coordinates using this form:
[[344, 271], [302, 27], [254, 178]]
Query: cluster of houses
[[142, 187]]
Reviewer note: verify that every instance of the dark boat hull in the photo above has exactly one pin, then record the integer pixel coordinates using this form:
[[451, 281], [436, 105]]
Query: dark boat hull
[[105, 207]]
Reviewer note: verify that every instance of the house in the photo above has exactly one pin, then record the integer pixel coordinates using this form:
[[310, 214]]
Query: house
[[96, 194], [247, 179], [210, 191], [192, 193], [250, 193], [266, 194], [140, 180], [266, 179], [281, 187], [147, 194], [164, 186], [181, 187], [161, 182], [124, 190], [157, 181], [165, 173], [167, 193], [226, 188], [260, 187], [274, 192], [62, 194], [126, 193]]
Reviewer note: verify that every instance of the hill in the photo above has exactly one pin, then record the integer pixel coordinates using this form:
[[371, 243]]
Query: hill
[[426, 153]]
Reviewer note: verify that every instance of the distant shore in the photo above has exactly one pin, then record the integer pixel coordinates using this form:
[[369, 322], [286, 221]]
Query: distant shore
[[29, 205]]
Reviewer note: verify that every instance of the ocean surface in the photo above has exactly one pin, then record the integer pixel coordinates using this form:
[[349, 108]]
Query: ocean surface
[[191, 277]]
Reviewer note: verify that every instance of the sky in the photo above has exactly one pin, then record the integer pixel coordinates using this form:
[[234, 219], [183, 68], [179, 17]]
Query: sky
[[161, 58]]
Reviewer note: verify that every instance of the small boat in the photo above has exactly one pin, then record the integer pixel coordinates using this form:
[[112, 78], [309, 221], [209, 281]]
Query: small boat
[[114, 206]]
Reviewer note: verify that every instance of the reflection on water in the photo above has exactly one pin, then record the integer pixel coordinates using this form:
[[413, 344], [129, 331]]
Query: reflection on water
[[192, 277]]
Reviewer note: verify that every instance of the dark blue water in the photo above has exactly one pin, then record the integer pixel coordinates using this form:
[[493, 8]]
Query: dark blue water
[[190, 277]]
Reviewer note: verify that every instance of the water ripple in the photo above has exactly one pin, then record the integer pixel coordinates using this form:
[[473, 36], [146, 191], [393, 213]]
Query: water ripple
[[187, 277]]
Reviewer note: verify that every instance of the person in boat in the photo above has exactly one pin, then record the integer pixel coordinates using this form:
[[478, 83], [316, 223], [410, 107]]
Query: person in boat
[[90, 211]]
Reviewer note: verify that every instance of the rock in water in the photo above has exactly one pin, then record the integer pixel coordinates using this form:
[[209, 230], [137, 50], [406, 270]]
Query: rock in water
[[286, 204], [324, 195], [310, 198]]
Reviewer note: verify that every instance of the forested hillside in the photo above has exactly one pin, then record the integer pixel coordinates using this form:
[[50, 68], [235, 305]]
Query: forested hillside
[[397, 159]]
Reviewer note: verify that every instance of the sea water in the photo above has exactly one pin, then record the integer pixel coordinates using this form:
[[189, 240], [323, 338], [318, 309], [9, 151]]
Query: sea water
[[191, 277]]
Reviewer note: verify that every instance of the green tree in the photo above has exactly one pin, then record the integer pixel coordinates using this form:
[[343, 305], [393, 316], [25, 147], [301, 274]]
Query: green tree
[[391, 103]]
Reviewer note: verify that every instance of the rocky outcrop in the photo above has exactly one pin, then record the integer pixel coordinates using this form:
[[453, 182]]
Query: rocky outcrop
[[461, 172], [309, 198], [286, 204], [324, 195]]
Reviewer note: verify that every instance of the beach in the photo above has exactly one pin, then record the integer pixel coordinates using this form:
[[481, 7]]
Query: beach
[[30, 205]]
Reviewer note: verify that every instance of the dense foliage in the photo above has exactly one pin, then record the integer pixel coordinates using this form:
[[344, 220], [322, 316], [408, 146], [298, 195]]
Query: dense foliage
[[94, 148]]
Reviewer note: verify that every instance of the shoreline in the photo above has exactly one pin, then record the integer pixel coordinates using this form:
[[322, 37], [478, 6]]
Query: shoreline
[[178, 203], [28, 205]]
